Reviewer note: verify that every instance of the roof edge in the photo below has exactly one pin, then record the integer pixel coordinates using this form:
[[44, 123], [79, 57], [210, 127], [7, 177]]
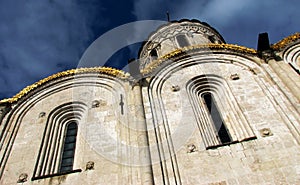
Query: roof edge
[[232, 47], [102, 70], [286, 41]]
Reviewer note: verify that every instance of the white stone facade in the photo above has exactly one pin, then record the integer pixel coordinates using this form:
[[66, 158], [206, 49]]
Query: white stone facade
[[159, 130]]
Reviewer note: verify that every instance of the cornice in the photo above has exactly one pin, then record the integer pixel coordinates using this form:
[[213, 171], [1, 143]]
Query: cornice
[[231, 47], [102, 70], [285, 42]]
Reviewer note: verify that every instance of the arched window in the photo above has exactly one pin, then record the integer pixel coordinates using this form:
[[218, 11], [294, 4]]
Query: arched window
[[219, 118], [212, 39], [153, 53], [221, 131], [69, 145], [182, 41], [57, 151]]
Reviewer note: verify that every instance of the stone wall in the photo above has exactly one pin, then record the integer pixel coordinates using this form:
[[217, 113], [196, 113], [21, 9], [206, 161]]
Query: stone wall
[[261, 160], [107, 134]]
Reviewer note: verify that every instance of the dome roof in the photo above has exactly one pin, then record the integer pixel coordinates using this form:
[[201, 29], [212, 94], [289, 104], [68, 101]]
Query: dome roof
[[177, 34]]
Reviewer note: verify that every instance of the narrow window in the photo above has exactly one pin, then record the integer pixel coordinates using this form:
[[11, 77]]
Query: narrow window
[[182, 41], [67, 159], [153, 54], [212, 39], [209, 96], [220, 127]]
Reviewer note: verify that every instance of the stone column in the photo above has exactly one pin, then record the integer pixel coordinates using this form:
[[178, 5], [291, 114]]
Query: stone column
[[291, 81], [143, 142], [290, 78]]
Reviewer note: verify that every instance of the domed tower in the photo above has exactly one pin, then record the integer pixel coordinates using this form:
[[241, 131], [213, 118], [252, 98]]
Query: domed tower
[[175, 35]]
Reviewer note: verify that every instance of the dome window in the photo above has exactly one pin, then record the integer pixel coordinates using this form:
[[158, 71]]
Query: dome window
[[182, 41]]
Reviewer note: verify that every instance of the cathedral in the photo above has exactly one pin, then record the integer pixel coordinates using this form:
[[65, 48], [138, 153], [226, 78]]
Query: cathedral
[[195, 110]]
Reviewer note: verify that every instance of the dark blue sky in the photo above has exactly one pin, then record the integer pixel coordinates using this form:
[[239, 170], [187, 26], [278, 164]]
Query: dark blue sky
[[42, 37]]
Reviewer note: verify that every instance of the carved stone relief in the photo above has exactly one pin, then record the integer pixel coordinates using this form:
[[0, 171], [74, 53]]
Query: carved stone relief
[[22, 178], [89, 165]]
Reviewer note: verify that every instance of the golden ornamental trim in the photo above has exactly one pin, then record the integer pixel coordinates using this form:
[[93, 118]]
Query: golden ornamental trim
[[103, 70], [154, 64], [286, 41]]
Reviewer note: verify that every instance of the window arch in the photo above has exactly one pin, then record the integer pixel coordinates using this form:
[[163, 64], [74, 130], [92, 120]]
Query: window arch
[[57, 151], [219, 118]]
